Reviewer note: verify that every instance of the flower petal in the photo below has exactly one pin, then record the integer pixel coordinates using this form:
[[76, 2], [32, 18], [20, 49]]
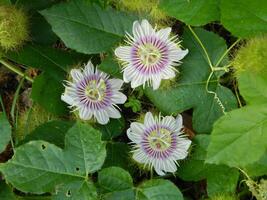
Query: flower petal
[[147, 28], [68, 99], [137, 30], [115, 83], [164, 33], [140, 156], [179, 121], [124, 53], [156, 82], [118, 98], [113, 112], [149, 120], [88, 69], [101, 116], [84, 113], [76, 74]]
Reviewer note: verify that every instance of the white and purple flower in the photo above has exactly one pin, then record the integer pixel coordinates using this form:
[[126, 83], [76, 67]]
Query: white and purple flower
[[150, 56], [159, 142], [93, 94]]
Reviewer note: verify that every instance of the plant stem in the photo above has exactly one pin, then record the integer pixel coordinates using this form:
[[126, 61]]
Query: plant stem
[[202, 46], [15, 69]]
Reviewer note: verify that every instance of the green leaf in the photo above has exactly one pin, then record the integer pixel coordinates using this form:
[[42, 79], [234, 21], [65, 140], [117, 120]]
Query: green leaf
[[35, 5], [220, 178], [46, 91], [192, 12], [80, 190], [240, 132], [158, 189], [190, 89], [6, 192], [114, 179], [53, 61], [252, 86], [39, 167], [87, 28], [258, 168], [41, 31], [113, 129], [244, 18], [56, 129], [117, 155], [5, 132], [111, 66], [116, 183]]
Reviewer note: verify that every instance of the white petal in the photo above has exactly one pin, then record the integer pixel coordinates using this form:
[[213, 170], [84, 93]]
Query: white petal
[[177, 54], [158, 166], [113, 112], [134, 137], [138, 80], [170, 122], [181, 151], [179, 121], [168, 73], [123, 52], [128, 74], [164, 33], [170, 166], [89, 68], [137, 30], [156, 82], [101, 116], [137, 128], [149, 120], [76, 74], [140, 156], [116, 84], [85, 114], [118, 98], [68, 99], [147, 28]]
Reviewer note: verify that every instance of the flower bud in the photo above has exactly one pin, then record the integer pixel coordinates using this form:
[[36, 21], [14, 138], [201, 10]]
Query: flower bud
[[13, 27]]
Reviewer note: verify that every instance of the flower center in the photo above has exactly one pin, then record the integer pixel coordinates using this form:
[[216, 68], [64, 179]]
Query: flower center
[[160, 139], [96, 90], [149, 54]]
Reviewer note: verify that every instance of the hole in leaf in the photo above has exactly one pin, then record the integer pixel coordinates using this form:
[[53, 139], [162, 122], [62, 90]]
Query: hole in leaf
[[68, 194], [77, 169], [43, 146]]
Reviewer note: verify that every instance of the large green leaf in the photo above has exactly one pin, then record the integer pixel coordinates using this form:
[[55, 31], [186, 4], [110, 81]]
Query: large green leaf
[[55, 62], [244, 18], [158, 189], [192, 12], [46, 91], [87, 28], [5, 132], [53, 132], [258, 168], [6, 192], [240, 132], [79, 190], [252, 86], [115, 179], [189, 91], [116, 183], [220, 178], [113, 129], [117, 155], [38, 166]]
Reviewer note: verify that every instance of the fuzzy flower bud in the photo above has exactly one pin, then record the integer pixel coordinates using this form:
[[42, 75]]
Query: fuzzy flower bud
[[13, 27]]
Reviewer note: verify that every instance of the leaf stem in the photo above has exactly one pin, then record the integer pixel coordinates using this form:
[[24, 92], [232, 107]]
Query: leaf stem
[[15, 69], [226, 52], [202, 46]]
